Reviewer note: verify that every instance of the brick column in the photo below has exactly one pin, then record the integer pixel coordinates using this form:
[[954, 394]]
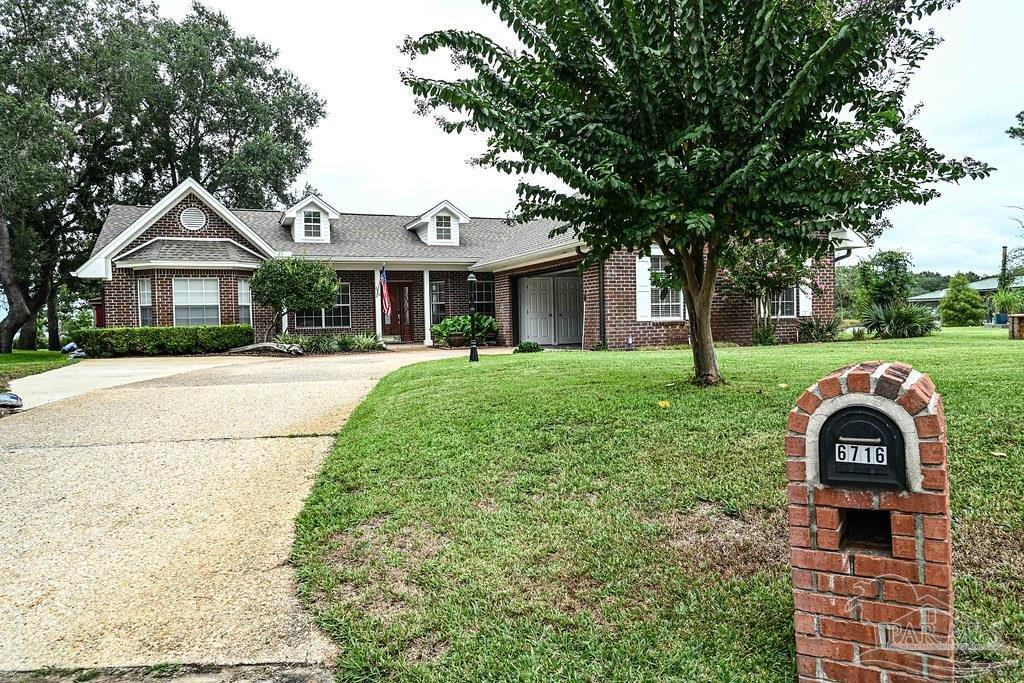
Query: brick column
[[879, 611]]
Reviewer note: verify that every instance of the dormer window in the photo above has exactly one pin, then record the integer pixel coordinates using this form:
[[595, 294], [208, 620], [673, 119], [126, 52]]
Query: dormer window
[[444, 228], [311, 224]]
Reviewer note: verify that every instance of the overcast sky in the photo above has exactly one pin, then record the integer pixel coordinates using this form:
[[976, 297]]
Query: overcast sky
[[373, 154]]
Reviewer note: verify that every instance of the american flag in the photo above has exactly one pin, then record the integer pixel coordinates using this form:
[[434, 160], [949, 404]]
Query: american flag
[[385, 294]]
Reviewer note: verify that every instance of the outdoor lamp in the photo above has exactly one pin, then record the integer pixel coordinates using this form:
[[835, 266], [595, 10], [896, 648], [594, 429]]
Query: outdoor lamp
[[474, 355]]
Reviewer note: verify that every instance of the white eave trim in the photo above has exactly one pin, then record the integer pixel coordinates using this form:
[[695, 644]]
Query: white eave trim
[[99, 264], [191, 265], [530, 257], [445, 205]]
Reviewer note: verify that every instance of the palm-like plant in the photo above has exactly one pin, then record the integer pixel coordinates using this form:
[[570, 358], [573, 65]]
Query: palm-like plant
[[1007, 301], [898, 321]]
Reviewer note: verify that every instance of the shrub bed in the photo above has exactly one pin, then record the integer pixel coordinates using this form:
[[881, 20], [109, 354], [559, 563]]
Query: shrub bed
[[108, 342]]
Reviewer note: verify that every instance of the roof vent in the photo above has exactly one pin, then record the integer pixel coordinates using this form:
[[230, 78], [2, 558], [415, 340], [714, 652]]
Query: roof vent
[[192, 219]]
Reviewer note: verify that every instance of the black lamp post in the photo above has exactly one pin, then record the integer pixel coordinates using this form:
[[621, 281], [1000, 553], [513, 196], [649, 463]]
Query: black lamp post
[[474, 355]]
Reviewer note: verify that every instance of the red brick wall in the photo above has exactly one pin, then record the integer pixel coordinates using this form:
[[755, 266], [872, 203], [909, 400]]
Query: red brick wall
[[361, 288], [872, 614], [121, 296]]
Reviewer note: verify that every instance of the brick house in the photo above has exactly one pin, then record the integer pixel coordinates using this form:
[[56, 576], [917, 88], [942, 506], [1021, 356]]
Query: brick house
[[187, 260]]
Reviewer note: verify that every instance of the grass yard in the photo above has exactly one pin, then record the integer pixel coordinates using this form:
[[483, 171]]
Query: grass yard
[[25, 363], [549, 517]]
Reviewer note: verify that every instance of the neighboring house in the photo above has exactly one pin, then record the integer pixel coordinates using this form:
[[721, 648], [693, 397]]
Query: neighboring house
[[187, 260], [984, 287]]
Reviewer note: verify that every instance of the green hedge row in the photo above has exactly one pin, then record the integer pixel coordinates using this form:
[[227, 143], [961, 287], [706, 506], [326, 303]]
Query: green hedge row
[[106, 342]]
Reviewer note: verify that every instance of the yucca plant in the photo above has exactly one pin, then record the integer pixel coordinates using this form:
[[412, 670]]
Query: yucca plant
[[899, 321]]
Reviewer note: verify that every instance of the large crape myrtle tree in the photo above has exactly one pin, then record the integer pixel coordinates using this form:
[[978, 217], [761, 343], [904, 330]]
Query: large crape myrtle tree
[[691, 124]]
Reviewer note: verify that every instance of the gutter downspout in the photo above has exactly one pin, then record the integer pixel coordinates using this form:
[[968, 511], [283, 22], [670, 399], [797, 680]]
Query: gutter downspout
[[601, 306]]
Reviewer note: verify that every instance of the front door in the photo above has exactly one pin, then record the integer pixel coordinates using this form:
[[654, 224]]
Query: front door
[[398, 325], [537, 310], [569, 307]]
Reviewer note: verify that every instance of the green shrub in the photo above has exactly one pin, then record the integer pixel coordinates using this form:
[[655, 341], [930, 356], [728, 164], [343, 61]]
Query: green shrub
[[962, 306], [365, 342], [763, 336], [860, 334], [107, 342], [819, 330], [461, 324], [899, 321], [1007, 301], [528, 347]]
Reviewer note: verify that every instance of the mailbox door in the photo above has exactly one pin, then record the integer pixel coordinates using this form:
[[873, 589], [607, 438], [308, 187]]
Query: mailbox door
[[862, 447]]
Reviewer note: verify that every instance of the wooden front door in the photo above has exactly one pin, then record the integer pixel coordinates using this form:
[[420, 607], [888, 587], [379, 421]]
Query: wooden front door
[[398, 325]]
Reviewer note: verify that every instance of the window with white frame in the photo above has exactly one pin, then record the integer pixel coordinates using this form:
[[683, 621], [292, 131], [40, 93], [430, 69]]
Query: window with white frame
[[438, 311], [145, 303], [443, 225], [244, 303], [196, 301], [483, 295], [311, 224], [665, 303], [784, 304], [340, 315]]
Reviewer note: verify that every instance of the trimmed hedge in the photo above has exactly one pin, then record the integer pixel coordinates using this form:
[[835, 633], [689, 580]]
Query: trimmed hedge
[[107, 342]]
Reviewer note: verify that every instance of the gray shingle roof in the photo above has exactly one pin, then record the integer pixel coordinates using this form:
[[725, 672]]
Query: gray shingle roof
[[989, 284], [377, 236], [192, 250]]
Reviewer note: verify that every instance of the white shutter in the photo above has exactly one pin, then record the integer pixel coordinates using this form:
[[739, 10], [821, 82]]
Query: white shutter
[[804, 299], [643, 288]]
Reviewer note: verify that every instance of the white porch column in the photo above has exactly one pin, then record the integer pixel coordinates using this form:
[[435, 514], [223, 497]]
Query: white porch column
[[427, 339], [378, 316], [284, 321]]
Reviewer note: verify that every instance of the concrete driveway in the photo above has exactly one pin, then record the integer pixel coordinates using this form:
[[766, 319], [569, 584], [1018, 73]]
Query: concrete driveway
[[152, 522]]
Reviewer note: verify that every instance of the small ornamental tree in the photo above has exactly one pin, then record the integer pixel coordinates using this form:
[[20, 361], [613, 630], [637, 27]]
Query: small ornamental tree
[[688, 125], [293, 284], [759, 271], [962, 306]]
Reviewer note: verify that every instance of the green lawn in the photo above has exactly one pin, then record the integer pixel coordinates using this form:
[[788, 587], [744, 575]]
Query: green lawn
[[25, 363], [542, 517]]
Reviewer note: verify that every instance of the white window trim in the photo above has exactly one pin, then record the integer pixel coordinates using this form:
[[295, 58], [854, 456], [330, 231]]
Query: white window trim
[[319, 224], [239, 301], [796, 304], [645, 292], [452, 228], [138, 297], [323, 314], [174, 304]]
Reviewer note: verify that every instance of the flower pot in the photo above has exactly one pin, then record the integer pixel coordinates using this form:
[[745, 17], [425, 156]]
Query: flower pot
[[1002, 318], [456, 339]]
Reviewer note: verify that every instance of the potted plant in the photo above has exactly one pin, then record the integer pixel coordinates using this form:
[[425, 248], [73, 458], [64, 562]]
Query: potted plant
[[1006, 302]]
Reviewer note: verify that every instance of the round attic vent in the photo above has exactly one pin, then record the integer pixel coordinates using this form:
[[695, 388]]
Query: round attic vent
[[192, 219]]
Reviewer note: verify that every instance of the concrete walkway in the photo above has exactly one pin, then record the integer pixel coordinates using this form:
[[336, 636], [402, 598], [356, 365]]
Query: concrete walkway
[[152, 522]]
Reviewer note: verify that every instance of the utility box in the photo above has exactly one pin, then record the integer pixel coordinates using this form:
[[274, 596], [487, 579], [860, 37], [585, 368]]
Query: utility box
[[869, 528]]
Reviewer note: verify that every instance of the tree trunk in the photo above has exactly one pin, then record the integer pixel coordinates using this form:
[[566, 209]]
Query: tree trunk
[[52, 321], [28, 338], [700, 266], [17, 309]]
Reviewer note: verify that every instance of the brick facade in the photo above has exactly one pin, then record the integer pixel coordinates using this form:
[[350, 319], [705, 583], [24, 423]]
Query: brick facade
[[732, 318], [168, 225], [869, 613]]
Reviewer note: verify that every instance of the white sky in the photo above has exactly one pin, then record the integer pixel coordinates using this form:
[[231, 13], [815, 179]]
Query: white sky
[[373, 154]]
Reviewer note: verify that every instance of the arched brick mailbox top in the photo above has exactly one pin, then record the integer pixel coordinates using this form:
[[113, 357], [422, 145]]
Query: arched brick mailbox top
[[872, 579]]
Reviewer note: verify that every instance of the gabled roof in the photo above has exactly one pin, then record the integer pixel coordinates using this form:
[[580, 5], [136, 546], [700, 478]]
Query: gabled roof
[[445, 205], [98, 264], [989, 284], [292, 211]]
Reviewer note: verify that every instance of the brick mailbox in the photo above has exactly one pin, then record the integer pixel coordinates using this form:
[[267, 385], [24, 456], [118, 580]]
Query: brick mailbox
[[869, 528]]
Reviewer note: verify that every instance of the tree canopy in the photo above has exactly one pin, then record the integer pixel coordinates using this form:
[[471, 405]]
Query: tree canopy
[[884, 279], [687, 125], [104, 101]]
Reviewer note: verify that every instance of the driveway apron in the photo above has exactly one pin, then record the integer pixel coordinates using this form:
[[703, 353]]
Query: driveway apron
[[152, 522]]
